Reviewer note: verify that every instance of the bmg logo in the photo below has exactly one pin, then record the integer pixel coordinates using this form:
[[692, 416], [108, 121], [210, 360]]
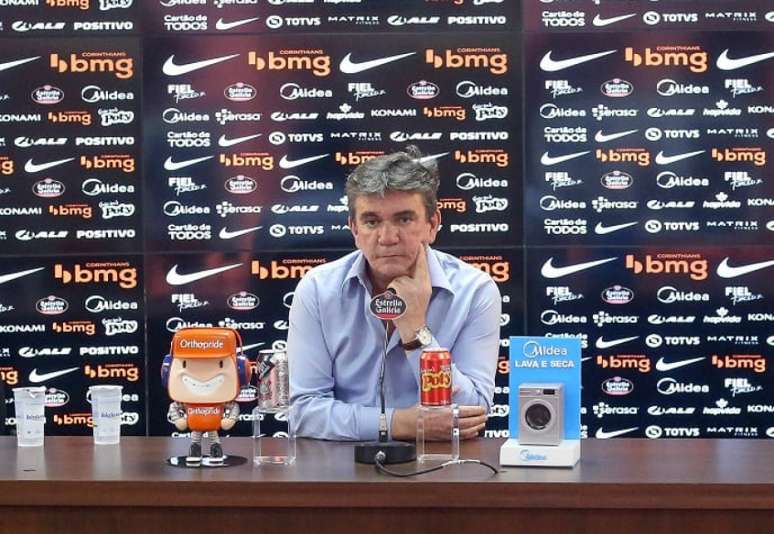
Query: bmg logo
[[115, 62]]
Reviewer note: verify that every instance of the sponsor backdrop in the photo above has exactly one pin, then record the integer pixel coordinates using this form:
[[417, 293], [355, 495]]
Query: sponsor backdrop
[[184, 164]]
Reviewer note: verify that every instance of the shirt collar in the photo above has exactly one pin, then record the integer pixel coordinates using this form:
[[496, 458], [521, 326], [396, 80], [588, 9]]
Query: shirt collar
[[438, 277]]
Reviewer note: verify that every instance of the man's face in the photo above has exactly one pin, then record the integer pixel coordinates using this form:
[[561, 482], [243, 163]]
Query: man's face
[[203, 380], [391, 230]]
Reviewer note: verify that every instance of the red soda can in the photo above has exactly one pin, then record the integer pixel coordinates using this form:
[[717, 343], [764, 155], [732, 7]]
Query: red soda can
[[435, 373]]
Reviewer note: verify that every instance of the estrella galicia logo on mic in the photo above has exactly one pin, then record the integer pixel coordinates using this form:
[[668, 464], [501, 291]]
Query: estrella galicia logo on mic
[[387, 306]]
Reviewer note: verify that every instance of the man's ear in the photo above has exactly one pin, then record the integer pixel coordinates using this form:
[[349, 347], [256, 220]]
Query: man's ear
[[435, 223], [352, 223]]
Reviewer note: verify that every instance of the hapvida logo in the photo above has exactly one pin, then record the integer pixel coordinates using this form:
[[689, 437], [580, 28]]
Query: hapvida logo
[[469, 58], [497, 157], [754, 362], [126, 371], [689, 264], [116, 62], [261, 160], [312, 60], [756, 156], [124, 163], [284, 269], [640, 156], [356, 158], [669, 56], [98, 273], [83, 118]]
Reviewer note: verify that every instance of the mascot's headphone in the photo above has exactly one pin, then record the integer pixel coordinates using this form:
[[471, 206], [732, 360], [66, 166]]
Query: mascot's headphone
[[244, 369]]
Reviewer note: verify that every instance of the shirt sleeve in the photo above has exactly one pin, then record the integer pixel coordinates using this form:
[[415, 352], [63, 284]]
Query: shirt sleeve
[[475, 351], [315, 413]]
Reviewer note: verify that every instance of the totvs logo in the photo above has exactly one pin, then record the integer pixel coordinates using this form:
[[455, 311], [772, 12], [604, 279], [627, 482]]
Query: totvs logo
[[116, 62]]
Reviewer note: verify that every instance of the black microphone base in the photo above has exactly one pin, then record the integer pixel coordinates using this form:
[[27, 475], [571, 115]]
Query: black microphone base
[[396, 452]]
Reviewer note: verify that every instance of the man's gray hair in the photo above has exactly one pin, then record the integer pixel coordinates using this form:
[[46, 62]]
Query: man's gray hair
[[399, 171]]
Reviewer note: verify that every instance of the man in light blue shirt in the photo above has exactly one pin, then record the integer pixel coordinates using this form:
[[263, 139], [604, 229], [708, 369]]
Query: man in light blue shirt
[[335, 345]]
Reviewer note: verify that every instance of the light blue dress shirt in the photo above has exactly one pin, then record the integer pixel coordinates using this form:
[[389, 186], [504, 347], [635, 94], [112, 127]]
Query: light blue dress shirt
[[335, 346]]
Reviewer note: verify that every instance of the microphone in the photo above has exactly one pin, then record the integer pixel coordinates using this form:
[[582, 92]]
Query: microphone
[[386, 306]]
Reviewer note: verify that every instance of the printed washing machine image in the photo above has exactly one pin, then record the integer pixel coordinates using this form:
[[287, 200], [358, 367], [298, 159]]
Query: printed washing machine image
[[541, 414]]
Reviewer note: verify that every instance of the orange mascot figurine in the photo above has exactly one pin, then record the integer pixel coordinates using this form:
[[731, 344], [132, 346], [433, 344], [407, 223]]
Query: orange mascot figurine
[[203, 374]]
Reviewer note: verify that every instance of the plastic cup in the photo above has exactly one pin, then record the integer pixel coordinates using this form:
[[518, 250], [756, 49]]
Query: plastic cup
[[30, 406], [105, 413]]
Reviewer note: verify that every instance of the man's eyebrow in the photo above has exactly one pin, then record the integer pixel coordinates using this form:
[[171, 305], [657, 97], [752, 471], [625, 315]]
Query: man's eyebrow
[[405, 213], [364, 214]]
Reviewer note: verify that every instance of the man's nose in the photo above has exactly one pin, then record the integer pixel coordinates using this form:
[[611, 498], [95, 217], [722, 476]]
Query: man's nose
[[389, 234]]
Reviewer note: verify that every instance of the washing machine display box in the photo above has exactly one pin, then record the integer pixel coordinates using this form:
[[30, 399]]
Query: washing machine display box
[[544, 420]]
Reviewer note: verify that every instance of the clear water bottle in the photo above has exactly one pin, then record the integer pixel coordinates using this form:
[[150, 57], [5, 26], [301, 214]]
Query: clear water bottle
[[447, 449], [274, 441]]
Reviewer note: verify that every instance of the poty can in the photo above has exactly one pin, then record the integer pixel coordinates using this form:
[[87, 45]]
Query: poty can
[[436, 377], [273, 381]]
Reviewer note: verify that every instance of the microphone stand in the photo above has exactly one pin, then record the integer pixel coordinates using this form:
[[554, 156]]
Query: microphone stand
[[389, 452]]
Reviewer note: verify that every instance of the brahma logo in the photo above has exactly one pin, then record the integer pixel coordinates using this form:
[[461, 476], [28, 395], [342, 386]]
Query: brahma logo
[[469, 58], [120, 273], [495, 266], [290, 59], [116, 62], [669, 56], [690, 264], [284, 269]]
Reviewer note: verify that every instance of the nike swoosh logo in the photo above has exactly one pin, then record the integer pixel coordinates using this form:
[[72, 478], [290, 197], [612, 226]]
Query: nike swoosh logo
[[225, 234], [726, 271], [549, 271], [177, 165], [599, 137], [347, 66], [13, 276], [586, 358], [726, 63], [11, 64], [37, 378], [286, 163], [223, 26], [600, 229], [545, 159], [254, 345], [225, 142], [601, 434], [661, 159], [602, 344], [550, 65], [176, 279], [170, 68], [37, 167], [661, 365], [599, 21]]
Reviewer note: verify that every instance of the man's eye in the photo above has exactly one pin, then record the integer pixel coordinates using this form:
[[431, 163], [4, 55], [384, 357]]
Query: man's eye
[[405, 220], [370, 223]]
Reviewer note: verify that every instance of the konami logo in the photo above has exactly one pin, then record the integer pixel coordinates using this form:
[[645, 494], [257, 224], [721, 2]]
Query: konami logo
[[120, 273], [116, 62], [284, 269], [313, 60], [690, 264], [493, 59], [669, 56]]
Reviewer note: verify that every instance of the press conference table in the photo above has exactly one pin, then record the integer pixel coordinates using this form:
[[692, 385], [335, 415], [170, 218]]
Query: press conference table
[[620, 486]]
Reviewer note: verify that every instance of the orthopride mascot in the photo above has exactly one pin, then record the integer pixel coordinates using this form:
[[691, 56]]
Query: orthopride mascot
[[203, 374]]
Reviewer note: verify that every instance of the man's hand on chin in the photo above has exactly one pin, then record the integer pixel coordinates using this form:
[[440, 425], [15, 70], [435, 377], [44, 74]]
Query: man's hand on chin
[[472, 420], [415, 290]]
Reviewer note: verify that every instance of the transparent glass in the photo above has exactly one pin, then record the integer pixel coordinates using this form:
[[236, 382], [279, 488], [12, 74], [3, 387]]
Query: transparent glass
[[105, 413], [441, 450], [30, 415], [279, 447]]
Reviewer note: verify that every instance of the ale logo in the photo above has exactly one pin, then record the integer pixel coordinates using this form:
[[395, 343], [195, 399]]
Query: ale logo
[[387, 306]]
